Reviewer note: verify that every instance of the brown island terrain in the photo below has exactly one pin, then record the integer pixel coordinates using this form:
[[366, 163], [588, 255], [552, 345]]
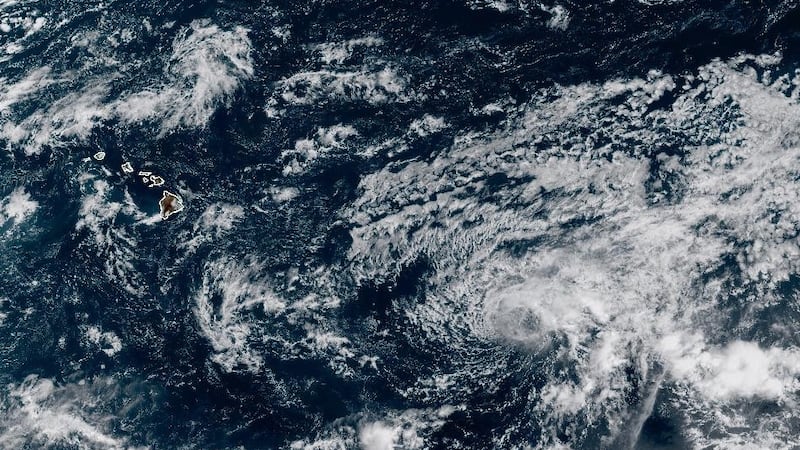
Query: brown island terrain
[[169, 204]]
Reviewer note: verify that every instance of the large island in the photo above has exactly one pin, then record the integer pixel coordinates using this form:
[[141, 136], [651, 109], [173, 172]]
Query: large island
[[169, 204]]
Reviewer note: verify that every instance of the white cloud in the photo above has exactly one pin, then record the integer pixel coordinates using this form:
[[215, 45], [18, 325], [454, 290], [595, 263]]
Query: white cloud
[[101, 207], [407, 429], [206, 68], [559, 16], [108, 342], [377, 436], [428, 124], [17, 206], [226, 326], [217, 220], [600, 251], [737, 370], [12, 93], [339, 52], [70, 118], [39, 413], [324, 141], [362, 85]]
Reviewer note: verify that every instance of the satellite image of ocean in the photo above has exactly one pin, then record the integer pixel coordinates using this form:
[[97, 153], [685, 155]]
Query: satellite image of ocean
[[391, 225]]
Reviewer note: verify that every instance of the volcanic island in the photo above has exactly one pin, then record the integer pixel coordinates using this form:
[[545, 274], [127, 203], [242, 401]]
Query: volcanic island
[[169, 204]]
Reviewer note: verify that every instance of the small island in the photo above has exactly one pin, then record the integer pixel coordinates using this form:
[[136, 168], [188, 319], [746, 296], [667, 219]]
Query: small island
[[169, 204], [153, 181]]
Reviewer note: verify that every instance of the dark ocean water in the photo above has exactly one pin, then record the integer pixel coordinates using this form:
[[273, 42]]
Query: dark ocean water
[[416, 225]]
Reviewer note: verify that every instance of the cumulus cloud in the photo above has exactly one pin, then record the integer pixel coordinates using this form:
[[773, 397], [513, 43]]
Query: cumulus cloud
[[215, 221], [374, 87], [324, 141], [101, 208], [737, 370], [339, 52], [207, 66], [226, 326], [598, 247], [17, 206], [407, 429], [39, 413]]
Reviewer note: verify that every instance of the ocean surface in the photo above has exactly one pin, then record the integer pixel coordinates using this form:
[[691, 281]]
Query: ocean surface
[[453, 224]]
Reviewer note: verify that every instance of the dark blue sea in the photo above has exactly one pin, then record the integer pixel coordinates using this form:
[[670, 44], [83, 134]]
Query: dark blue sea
[[380, 225]]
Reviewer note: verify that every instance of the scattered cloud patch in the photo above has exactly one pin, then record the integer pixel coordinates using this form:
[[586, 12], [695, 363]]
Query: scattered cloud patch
[[17, 206]]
